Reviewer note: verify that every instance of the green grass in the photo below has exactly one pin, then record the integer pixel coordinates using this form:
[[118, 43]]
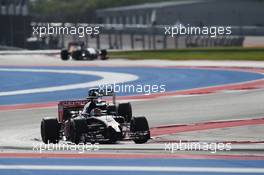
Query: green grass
[[234, 53]]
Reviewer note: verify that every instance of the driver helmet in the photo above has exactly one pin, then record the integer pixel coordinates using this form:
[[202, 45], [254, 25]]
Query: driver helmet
[[93, 95], [96, 112]]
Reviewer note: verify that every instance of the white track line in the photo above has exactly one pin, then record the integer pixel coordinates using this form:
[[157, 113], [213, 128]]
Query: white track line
[[107, 78], [134, 168]]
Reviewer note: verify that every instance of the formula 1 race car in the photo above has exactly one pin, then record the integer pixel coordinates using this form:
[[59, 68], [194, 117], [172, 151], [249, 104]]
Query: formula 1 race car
[[106, 123], [77, 51]]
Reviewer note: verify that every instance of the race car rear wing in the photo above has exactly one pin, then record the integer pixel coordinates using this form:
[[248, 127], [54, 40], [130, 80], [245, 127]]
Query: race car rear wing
[[65, 106]]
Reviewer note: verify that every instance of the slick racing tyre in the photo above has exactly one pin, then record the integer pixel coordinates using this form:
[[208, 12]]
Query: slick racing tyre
[[111, 135], [77, 128], [77, 55], [125, 110], [64, 54], [140, 129], [50, 130], [104, 54]]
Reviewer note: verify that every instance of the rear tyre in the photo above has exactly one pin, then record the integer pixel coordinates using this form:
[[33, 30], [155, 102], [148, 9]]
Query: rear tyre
[[111, 135], [125, 110], [140, 129], [77, 55], [77, 128], [50, 130], [64, 54]]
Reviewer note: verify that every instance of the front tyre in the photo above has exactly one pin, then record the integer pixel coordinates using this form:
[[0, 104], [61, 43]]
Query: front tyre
[[139, 129], [50, 130], [103, 54]]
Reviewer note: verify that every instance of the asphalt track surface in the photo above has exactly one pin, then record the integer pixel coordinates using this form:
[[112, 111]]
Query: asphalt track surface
[[20, 128]]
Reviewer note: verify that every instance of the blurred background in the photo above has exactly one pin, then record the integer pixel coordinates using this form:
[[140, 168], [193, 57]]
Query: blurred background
[[131, 24]]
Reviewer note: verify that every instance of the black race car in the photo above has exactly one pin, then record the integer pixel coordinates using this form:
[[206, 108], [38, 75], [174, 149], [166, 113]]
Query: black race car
[[78, 51], [104, 123]]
